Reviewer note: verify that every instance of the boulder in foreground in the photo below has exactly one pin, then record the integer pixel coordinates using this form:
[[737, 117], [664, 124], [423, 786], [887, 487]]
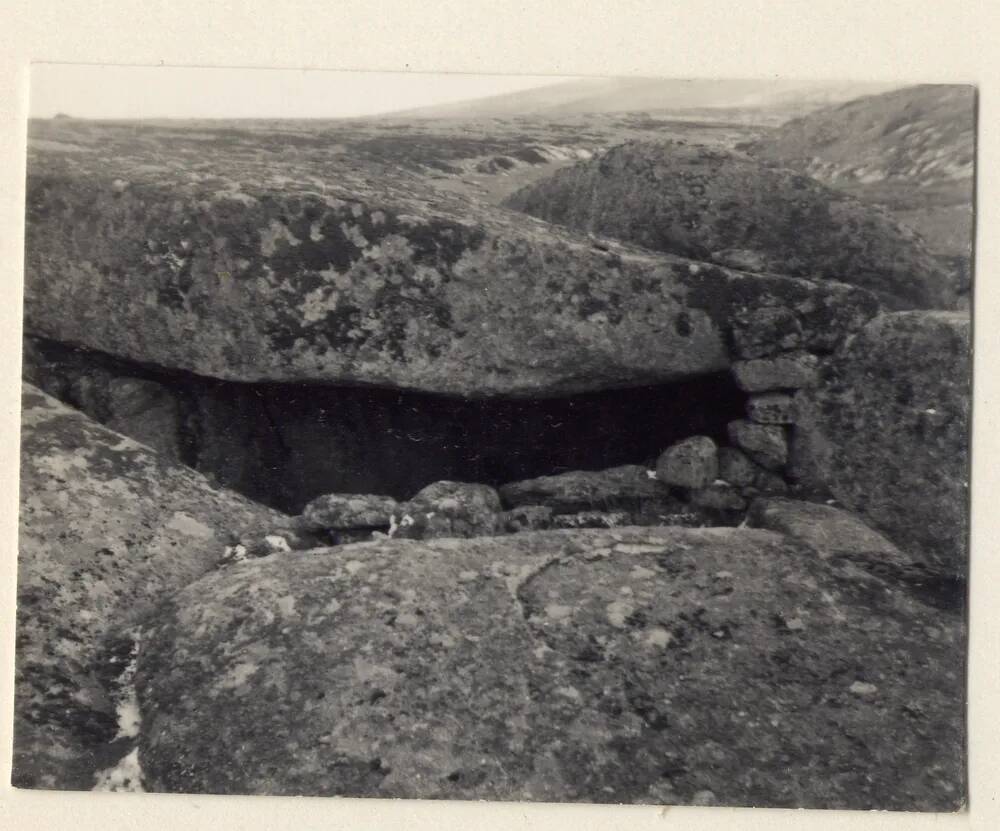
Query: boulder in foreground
[[656, 665], [107, 526]]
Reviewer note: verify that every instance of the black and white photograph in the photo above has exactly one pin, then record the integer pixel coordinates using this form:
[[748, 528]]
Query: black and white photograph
[[496, 437]]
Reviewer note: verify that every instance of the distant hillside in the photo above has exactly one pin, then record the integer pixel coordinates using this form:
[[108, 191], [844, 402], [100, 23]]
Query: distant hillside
[[604, 95], [922, 135], [911, 150]]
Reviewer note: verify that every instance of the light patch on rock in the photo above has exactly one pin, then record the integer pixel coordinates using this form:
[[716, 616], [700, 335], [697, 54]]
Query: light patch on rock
[[658, 636], [639, 548], [442, 639], [618, 612], [353, 233], [235, 553], [287, 605], [270, 236], [558, 612], [277, 543], [186, 524], [317, 304], [126, 776], [641, 573], [238, 675], [863, 689]]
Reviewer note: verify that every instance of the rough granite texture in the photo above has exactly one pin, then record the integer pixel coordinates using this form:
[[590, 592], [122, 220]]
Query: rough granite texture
[[794, 370], [888, 432], [348, 510], [692, 463], [662, 665], [626, 486], [450, 509], [764, 443], [836, 534], [107, 527], [721, 206], [255, 266]]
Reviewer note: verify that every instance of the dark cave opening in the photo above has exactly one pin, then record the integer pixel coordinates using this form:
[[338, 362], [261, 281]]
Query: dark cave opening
[[285, 444]]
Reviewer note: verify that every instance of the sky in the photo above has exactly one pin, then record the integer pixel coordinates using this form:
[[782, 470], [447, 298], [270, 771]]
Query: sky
[[99, 91]]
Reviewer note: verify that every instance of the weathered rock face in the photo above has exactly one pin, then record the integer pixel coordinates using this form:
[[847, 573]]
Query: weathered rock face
[[724, 207], [692, 463], [835, 534], [106, 527], [344, 511], [451, 509], [888, 432], [626, 486], [278, 270], [766, 444], [641, 665]]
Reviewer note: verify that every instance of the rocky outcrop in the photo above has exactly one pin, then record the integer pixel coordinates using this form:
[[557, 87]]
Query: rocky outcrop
[[107, 527], [724, 207], [282, 269], [667, 665], [888, 432]]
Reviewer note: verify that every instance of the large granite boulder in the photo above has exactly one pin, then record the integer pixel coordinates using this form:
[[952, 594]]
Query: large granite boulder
[[722, 206], [662, 665], [258, 265], [887, 432], [106, 528]]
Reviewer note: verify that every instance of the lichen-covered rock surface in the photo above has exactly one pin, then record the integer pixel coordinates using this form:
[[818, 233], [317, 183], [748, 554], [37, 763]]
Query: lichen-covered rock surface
[[833, 533], [888, 432], [661, 665], [234, 260], [625, 486], [106, 528], [722, 206]]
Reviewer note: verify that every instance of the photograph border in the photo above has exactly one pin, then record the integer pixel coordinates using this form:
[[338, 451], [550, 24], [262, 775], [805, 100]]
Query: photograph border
[[914, 41]]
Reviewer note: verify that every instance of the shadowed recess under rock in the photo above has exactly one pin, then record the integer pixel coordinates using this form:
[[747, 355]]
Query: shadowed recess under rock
[[285, 444]]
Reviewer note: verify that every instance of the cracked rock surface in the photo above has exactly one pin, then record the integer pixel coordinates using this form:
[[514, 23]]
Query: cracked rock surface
[[628, 665]]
